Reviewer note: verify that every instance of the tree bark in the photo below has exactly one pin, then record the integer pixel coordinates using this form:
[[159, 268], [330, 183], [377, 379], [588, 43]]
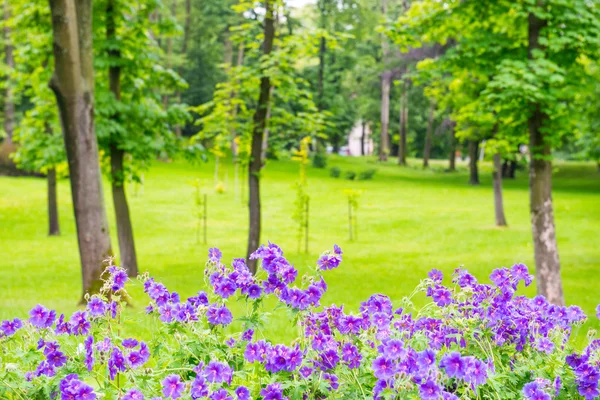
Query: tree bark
[[265, 141], [9, 105], [428, 136], [234, 146], [128, 258], [473, 158], [259, 125], [386, 82], [385, 115], [402, 150], [452, 151], [363, 137], [498, 201], [53, 224], [547, 264], [73, 85]]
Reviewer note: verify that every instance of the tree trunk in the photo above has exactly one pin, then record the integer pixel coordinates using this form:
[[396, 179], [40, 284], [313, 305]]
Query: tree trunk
[[53, 224], [547, 264], [402, 150], [73, 85], [498, 202], [452, 152], [128, 258], [127, 252], [265, 141], [9, 105], [428, 136], [473, 158], [386, 82], [259, 125], [321, 83], [363, 137], [385, 115], [187, 26], [234, 145]]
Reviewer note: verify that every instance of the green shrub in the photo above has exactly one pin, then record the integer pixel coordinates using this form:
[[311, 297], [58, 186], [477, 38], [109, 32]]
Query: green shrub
[[335, 172], [350, 175], [319, 160], [367, 175]]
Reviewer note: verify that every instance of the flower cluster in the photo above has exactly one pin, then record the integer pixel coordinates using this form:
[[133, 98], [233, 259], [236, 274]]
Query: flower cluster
[[472, 340]]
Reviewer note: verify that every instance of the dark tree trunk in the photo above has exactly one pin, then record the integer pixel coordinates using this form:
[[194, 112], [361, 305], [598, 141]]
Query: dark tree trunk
[[53, 224], [498, 201], [321, 83], [428, 136], [128, 259], [452, 152], [547, 264], [73, 85], [265, 141], [363, 137], [259, 126], [127, 252], [473, 158], [402, 149], [9, 105]]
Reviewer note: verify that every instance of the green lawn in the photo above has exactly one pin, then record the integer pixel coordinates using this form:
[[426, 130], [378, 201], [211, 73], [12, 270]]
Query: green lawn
[[410, 221]]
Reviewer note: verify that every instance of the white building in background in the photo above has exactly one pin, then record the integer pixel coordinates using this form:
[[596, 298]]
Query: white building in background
[[354, 140]]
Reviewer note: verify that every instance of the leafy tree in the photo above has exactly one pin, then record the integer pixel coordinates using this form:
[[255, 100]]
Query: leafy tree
[[526, 61]]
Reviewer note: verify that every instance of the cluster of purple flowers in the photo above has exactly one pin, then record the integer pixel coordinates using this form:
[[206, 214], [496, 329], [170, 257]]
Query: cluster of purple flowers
[[433, 354]]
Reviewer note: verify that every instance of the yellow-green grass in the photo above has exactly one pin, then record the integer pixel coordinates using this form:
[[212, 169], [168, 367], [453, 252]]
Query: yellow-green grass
[[409, 221]]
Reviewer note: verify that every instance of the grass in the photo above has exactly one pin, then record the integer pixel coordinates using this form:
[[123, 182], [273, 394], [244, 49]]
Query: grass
[[409, 222]]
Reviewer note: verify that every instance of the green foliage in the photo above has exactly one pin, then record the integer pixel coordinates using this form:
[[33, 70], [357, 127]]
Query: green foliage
[[319, 160], [335, 172], [367, 174], [350, 175]]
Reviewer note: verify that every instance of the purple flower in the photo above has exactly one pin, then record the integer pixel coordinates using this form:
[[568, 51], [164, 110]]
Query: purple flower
[[219, 315], [337, 250], [41, 317], [544, 345], [199, 387], [218, 372], [133, 394], [118, 280], [436, 275], [383, 368], [172, 387], [441, 296], [9, 328], [242, 393], [220, 394], [453, 364], [476, 372], [56, 359], [130, 343], [429, 390], [71, 388], [135, 359], [426, 359], [248, 334], [96, 307], [78, 324], [89, 352], [116, 363], [272, 392], [214, 255]]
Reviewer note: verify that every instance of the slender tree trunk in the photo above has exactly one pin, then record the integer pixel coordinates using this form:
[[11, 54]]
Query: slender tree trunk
[[234, 145], [385, 115], [452, 152], [386, 83], [547, 264], [498, 201], [363, 137], [321, 83], [53, 224], [265, 141], [73, 85], [403, 150], [9, 105], [128, 258], [428, 136], [473, 158], [259, 125], [124, 227]]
